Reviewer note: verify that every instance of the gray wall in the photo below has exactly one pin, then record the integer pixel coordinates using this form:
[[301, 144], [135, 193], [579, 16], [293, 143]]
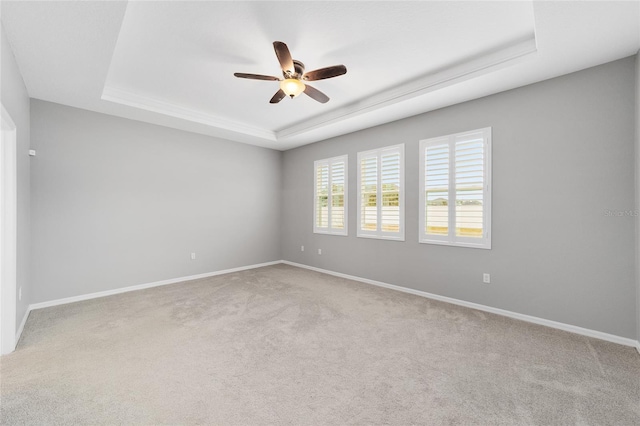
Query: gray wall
[[15, 99], [563, 153], [117, 203]]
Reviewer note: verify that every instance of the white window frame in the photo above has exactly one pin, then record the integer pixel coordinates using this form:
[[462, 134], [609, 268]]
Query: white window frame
[[330, 230], [451, 239], [379, 234]]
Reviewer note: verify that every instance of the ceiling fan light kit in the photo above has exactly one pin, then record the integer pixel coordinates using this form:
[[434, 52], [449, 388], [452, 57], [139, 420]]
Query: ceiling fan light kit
[[293, 72], [292, 87]]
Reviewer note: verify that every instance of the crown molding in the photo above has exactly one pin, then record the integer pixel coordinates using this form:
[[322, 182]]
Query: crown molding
[[494, 60], [462, 71], [135, 100]]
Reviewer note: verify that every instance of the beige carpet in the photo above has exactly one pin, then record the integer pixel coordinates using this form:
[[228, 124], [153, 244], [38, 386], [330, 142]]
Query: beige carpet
[[282, 345]]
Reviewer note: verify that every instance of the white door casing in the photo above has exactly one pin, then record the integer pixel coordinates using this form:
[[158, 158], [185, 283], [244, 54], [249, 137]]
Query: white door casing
[[8, 233]]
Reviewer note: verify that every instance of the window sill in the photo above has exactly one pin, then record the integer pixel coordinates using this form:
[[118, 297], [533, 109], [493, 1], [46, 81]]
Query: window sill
[[485, 246], [382, 237]]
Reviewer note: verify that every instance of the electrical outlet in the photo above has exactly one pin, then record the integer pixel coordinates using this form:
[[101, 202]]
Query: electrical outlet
[[301, 248], [486, 278], [20, 293], [193, 256], [319, 251]]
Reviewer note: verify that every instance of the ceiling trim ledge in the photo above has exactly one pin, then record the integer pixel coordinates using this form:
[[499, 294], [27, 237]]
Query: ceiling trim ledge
[[475, 67], [491, 61], [135, 100]]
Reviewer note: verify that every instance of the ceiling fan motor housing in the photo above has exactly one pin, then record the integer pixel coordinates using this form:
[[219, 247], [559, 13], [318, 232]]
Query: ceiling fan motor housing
[[298, 70]]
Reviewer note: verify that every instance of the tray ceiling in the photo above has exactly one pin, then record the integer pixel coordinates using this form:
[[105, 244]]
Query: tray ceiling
[[172, 63]]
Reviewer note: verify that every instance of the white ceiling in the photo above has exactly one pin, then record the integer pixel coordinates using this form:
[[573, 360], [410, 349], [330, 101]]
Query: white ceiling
[[172, 63]]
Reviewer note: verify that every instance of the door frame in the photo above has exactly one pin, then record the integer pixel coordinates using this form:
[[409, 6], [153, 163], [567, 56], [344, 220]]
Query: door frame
[[8, 232]]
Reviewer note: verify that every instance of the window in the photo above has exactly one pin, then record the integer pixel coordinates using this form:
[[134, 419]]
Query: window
[[455, 189], [381, 193], [330, 196]]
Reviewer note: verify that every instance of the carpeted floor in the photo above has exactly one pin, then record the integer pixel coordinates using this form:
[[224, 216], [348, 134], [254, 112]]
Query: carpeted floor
[[282, 345]]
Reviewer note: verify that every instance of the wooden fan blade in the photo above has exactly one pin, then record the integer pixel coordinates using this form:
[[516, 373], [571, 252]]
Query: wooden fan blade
[[255, 76], [316, 94], [323, 73], [278, 97], [284, 56]]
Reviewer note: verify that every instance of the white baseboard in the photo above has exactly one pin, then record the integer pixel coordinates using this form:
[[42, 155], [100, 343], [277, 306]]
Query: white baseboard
[[22, 323], [638, 347], [82, 297], [522, 317]]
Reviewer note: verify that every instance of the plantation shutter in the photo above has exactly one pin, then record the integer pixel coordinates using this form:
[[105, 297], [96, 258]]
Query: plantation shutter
[[369, 193], [390, 192], [381, 187], [337, 217], [322, 194], [436, 177], [455, 189], [469, 171], [330, 196]]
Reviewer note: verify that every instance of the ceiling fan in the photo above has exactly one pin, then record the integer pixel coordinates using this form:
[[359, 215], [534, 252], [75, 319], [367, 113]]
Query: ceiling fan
[[294, 79]]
